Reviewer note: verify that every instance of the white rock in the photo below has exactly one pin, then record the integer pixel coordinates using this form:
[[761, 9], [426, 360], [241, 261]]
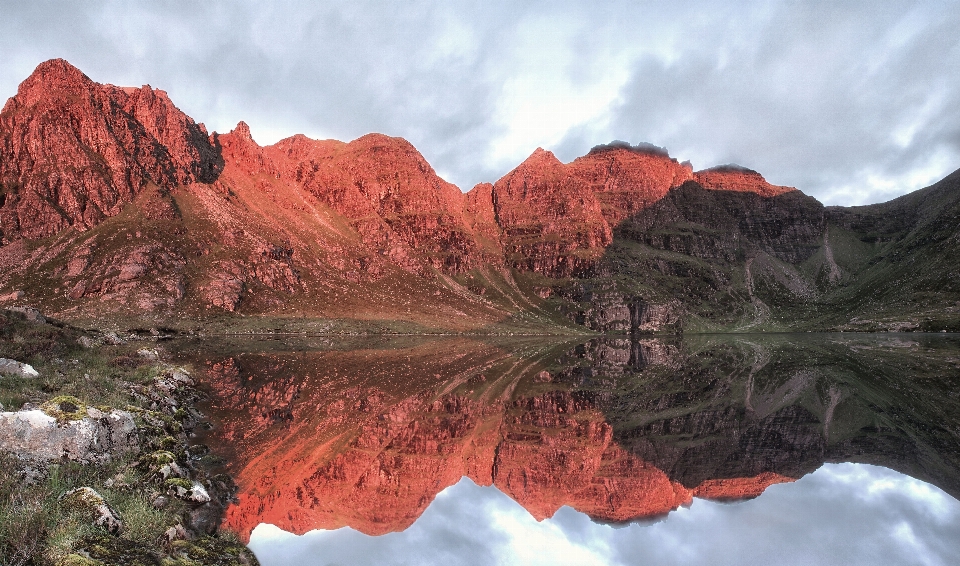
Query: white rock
[[113, 339], [13, 367], [34, 434], [148, 354], [197, 493]]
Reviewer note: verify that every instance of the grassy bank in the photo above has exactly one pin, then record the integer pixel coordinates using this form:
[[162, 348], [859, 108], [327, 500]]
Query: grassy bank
[[148, 486]]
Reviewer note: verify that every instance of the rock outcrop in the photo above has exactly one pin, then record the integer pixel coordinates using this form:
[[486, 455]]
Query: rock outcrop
[[17, 369], [739, 179], [97, 436], [73, 152], [88, 501]]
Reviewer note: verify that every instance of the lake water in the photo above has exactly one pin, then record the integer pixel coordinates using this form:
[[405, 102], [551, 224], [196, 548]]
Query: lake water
[[708, 449]]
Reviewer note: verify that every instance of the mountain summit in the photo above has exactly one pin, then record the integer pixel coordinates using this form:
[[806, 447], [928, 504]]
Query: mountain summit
[[116, 206]]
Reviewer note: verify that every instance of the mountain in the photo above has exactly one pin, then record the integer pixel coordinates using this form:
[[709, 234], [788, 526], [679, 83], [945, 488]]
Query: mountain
[[118, 209]]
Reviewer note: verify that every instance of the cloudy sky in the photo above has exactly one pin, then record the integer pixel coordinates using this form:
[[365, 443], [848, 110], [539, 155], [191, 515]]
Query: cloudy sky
[[843, 514], [850, 102]]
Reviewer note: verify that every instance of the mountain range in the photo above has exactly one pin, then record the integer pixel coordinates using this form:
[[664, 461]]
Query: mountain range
[[117, 209]]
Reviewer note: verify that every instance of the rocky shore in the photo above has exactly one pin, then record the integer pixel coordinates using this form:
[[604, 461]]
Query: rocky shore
[[99, 459]]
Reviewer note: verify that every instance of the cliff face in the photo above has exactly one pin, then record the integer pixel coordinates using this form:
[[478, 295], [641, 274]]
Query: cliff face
[[558, 218], [73, 152], [552, 223], [739, 179]]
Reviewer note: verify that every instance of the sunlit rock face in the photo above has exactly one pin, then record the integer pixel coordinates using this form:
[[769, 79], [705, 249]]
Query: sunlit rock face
[[384, 189], [114, 205], [148, 214], [73, 152], [737, 178], [557, 218]]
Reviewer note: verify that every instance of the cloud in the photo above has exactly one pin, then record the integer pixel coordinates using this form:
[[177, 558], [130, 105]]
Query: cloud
[[852, 102], [841, 514]]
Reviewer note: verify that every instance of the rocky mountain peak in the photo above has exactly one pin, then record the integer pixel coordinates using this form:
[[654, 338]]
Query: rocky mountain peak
[[242, 132], [74, 151], [51, 78]]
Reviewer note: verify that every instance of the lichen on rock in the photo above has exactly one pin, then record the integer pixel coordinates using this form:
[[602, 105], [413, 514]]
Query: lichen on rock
[[17, 369], [87, 500]]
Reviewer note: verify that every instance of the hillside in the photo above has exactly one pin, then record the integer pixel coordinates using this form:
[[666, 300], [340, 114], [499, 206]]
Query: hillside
[[118, 210]]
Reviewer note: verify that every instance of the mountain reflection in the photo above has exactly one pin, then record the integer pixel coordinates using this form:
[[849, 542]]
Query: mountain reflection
[[321, 435]]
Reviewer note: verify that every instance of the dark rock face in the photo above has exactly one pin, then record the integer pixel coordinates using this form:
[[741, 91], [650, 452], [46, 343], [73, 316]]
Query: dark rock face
[[729, 225]]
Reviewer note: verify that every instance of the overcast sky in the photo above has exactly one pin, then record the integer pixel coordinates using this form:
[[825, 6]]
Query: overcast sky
[[850, 102], [843, 514]]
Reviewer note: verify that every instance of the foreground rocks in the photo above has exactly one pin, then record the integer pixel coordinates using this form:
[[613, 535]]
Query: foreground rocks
[[96, 437], [18, 369], [87, 500], [82, 482]]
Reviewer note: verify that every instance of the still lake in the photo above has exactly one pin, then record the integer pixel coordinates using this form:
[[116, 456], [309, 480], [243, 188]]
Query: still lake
[[704, 449]]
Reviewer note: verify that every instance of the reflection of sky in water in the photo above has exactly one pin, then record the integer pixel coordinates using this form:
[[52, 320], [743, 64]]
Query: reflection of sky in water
[[840, 514]]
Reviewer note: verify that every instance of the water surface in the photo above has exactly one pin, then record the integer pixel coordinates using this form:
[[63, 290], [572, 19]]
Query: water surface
[[619, 450]]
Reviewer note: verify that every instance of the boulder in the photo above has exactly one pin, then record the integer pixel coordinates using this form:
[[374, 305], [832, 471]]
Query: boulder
[[14, 296], [96, 437], [86, 499], [193, 492], [148, 354], [18, 369], [32, 314]]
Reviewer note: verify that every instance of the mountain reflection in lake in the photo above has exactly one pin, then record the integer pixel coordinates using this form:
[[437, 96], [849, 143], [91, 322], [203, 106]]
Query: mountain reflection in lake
[[324, 434]]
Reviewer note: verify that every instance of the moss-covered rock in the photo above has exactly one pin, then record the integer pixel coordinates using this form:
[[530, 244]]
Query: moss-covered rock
[[65, 408], [214, 551], [86, 500]]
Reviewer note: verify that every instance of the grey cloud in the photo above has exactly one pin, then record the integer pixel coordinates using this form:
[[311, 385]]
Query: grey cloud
[[809, 94], [847, 514]]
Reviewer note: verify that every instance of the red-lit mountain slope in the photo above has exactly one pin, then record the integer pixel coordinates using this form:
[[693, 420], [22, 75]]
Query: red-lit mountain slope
[[116, 207]]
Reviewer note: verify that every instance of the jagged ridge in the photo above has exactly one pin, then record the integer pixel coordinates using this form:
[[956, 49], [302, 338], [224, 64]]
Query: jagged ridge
[[114, 201]]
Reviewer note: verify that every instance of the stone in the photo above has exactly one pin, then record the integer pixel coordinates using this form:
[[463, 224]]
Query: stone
[[148, 354], [543, 377], [176, 532], [34, 434], [113, 339], [32, 314], [17, 369], [86, 498], [14, 296], [186, 490]]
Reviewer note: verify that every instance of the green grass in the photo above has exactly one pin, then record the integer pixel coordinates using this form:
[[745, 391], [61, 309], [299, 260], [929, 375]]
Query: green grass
[[36, 527]]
